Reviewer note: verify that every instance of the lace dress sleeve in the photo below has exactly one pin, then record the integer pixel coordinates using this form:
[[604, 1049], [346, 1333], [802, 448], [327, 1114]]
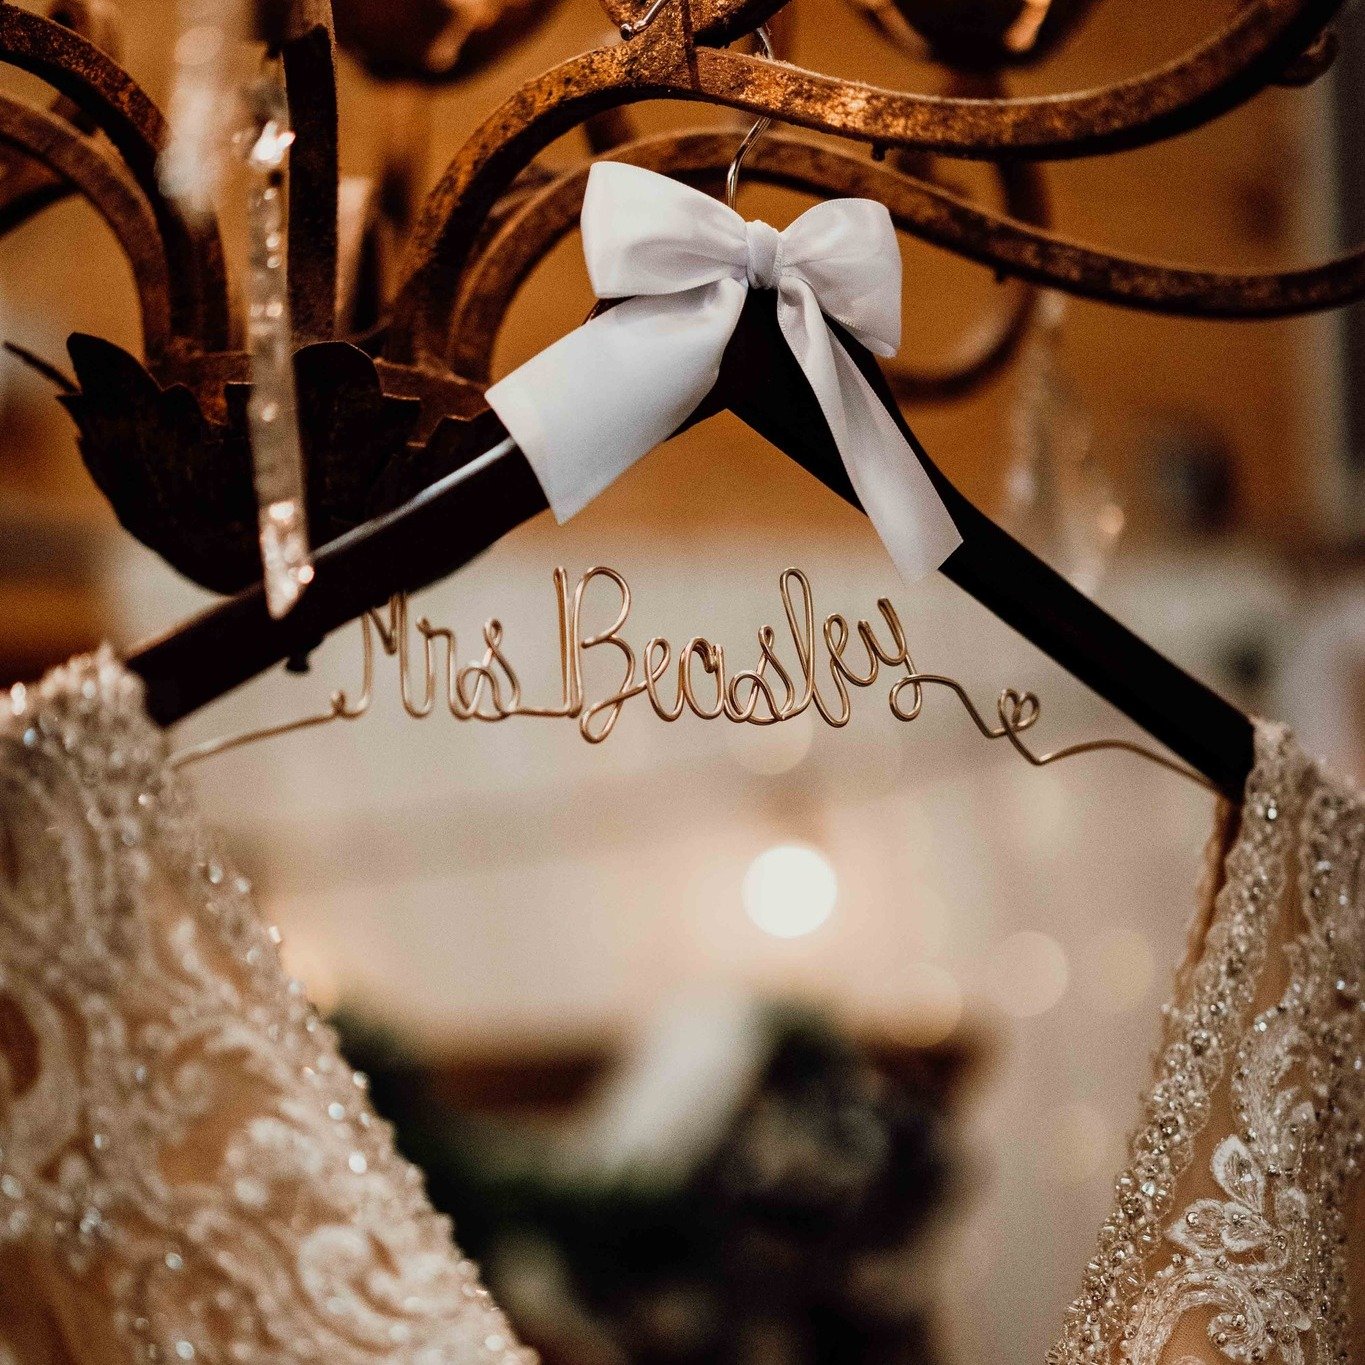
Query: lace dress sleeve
[[188, 1170]]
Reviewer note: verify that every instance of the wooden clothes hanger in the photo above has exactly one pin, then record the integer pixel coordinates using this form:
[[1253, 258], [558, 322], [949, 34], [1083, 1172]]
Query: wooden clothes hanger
[[493, 492], [456, 518], [761, 382]]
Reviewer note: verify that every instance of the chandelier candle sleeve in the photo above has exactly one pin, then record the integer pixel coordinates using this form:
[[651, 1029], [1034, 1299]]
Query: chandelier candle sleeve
[[587, 408]]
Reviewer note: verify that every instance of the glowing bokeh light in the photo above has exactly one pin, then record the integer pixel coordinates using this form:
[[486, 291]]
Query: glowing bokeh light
[[1027, 974], [790, 891]]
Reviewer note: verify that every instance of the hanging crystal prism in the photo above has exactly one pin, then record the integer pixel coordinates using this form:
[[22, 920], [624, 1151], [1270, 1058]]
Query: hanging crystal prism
[[1059, 500], [207, 101], [276, 453], [203, 97]]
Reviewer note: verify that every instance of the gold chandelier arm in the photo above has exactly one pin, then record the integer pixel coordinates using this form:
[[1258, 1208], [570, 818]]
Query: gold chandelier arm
[[99, 177], [309, 56], [920, 209], [713, 21], [118, 107], [664, 62], [26, 189]]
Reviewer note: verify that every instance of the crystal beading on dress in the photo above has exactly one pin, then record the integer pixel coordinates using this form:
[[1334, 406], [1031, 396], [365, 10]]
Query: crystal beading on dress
[[188, 1170], [1228, 1239]]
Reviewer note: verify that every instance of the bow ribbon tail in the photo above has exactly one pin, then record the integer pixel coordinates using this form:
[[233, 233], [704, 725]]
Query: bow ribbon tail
[[895, 490], [587, 408]]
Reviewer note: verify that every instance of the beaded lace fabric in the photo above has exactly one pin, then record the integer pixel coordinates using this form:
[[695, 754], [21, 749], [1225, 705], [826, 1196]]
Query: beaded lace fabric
[[188, 1170], [1232, 1235]]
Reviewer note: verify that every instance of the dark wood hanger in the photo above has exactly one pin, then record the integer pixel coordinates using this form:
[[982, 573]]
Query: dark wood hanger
[[436, 532]]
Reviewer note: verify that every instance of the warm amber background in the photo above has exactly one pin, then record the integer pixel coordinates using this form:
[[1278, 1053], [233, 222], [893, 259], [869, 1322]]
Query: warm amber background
[[499, 892]]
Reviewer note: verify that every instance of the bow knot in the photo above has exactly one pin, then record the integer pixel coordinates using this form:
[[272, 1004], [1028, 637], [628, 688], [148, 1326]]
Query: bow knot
[[763, 243], [585, 409]]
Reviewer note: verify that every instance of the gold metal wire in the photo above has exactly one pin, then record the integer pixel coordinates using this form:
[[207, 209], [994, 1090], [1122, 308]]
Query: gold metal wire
[[340, 708], [489, 688]]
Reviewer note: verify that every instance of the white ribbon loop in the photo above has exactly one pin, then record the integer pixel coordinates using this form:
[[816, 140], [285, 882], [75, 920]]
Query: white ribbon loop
[[586, 408], [763, 243]]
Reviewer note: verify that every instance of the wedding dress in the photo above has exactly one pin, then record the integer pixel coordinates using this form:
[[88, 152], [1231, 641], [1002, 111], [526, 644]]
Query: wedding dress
[[188, 1171], [1234, 1231]]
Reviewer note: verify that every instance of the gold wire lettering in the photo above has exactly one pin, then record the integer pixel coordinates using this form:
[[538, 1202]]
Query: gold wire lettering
[[489, 689]]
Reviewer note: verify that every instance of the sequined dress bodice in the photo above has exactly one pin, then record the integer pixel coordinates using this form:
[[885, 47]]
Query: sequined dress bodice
[[189, 1171], [1234, 1235]]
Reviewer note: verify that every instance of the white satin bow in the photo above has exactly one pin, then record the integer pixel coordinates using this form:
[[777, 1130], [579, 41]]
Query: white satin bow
[[584, 410]]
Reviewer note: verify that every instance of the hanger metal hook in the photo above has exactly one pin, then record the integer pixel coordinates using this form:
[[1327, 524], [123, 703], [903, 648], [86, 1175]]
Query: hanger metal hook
[[765, 42]]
